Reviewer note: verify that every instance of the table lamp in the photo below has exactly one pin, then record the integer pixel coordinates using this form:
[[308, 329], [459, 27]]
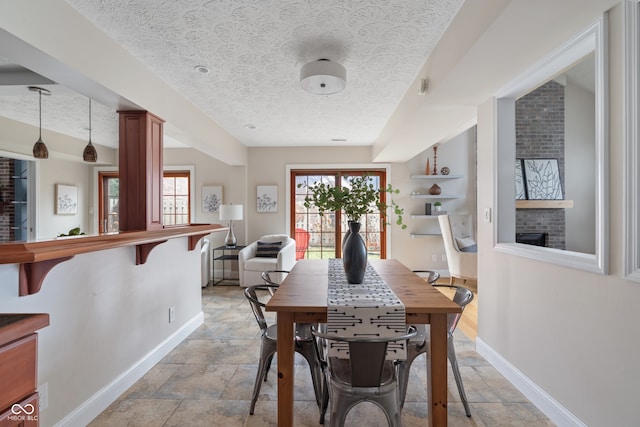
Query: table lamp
[[230, 213]]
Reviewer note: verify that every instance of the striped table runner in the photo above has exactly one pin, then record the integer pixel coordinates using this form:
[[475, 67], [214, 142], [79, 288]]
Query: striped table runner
[[366, 309]]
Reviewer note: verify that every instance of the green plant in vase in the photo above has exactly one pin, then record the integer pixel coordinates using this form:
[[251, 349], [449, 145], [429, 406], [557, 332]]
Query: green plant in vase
[[359, 197]]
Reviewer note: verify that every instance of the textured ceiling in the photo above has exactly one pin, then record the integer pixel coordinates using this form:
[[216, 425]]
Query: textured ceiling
[[254, 50]]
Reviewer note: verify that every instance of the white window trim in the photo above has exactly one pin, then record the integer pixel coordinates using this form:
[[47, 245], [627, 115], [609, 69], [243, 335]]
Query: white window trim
[[631, 186], [504, 234]]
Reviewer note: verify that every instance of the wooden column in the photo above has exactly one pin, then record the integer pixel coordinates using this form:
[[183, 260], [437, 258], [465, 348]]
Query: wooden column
[[140, 170]]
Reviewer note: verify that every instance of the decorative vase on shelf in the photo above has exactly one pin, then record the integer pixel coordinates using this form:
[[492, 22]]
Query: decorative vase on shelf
[[354, 254], [435, 190]]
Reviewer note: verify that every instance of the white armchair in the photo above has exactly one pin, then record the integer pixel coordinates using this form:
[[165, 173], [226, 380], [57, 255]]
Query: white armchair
[[250, 266], [459, 247]]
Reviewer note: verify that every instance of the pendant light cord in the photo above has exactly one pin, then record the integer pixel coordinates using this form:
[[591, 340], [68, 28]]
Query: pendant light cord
[[89, 120], [40, 108]]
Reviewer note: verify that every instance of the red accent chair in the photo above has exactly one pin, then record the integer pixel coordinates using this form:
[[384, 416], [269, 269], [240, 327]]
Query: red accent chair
[[302, 243]]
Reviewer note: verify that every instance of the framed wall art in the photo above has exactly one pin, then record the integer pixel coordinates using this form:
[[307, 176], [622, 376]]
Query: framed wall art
[[521, 193], [267, 198], [211, 198], [542, 179], [66, 199]]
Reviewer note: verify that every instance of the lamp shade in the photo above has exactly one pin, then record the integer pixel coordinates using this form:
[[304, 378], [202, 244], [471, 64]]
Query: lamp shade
[[230, 212], [323, 77]]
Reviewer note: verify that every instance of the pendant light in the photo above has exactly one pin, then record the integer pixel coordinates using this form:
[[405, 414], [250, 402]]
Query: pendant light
[[90, 154], [39, 149]]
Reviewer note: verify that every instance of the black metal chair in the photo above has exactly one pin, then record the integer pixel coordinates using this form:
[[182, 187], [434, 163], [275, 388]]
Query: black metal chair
[[304, 344], [421, 342], [365, 376]]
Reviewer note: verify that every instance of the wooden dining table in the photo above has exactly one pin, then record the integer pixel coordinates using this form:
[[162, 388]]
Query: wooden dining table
[[302, 298]]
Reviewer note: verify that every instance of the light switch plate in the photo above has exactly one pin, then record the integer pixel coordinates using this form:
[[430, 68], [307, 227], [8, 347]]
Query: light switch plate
[[487, 214]]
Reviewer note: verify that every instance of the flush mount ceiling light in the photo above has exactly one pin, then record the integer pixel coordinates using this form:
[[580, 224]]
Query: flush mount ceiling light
[[90, 154], [202, 69], [323, 77], [39, 149]]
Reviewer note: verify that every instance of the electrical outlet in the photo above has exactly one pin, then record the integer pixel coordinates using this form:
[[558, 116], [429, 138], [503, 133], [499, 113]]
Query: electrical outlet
[[434, 257], [43, 396], [172, 314], [444, 258]]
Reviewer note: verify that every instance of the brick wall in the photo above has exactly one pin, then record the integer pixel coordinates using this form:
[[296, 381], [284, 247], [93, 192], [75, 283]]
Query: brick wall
[[540, 135]]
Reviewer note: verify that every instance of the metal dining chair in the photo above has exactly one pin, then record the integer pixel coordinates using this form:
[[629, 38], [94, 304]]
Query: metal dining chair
[[304, 344], [421, 342], [431, 276], [276, 280], [365, 376]]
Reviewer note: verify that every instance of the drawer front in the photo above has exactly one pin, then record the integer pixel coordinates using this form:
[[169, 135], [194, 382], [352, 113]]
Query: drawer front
[[22, 414], [18, 363]]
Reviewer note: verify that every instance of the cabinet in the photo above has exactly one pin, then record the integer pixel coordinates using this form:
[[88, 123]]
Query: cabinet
[[140, 171], [432, 228], [18, 368], [222, 254]]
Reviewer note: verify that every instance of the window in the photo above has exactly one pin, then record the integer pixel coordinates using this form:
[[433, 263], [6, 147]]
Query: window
[[176, 199], [324, 231], [584, 239], [109, 190]]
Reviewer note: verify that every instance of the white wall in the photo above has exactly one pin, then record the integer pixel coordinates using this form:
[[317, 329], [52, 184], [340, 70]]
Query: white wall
[[580, 181], [267, 166], [106, 316], [50, 173], [570, 332], [458, 154], [209, 171]]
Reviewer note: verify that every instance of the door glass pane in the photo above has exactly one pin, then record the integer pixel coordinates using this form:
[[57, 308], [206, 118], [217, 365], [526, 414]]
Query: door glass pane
[[327, 232]]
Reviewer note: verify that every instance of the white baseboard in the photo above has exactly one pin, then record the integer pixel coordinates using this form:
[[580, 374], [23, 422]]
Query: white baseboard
[[557, 413], [96, 404]]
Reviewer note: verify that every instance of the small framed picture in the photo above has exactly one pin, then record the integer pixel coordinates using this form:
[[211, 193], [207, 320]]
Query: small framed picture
[[66, 199], [542, 179], [211, 198], [267, 198]]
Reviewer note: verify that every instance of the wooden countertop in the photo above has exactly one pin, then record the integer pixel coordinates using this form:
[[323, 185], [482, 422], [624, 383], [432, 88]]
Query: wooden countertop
[[14, 326], [37, 258]]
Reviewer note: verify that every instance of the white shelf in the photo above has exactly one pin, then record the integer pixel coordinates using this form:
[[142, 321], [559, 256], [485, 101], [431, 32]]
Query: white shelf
[[436, 177], [419, 235], [413, 216], [439, 196]]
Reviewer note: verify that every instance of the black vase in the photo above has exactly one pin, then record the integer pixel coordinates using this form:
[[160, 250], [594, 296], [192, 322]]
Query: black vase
[[346, 234], [354, 254]]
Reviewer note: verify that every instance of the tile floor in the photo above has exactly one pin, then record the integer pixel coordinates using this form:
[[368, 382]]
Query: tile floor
[[208, 381]]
